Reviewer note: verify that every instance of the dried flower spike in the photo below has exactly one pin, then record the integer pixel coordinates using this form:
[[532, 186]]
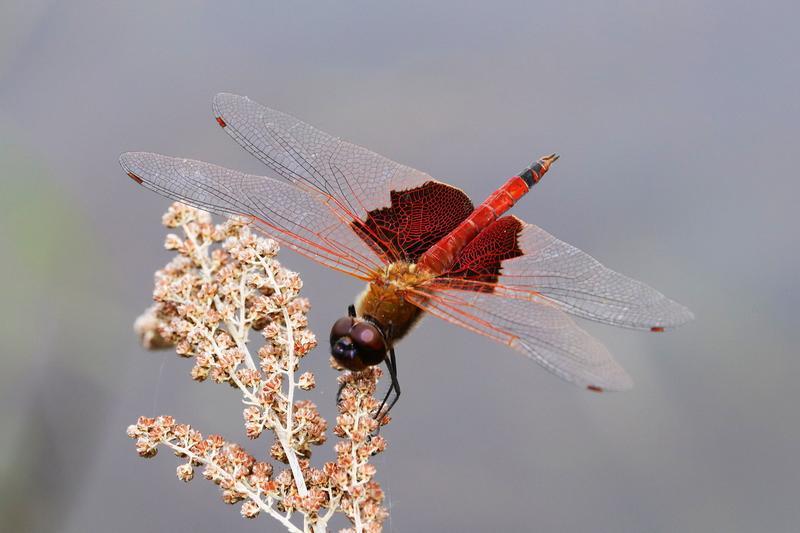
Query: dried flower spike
[[223, 283]]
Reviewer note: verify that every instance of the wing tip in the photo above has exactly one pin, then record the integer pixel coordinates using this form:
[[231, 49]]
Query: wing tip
[[221, 103], [225, 98], [126, 158], [684, 317], [124, 162], [623, 386], [223, 94], [617, 380], [686, 314]]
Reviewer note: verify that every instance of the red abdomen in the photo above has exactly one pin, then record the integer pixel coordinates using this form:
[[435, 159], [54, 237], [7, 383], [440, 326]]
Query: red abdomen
[[442, 255]]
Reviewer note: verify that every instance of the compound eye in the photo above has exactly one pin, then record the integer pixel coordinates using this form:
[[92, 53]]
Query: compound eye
[[367, 335], [341, 328], [369, 341]]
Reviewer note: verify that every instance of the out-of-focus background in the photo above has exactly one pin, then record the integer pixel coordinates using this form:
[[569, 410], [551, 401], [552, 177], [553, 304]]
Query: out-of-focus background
[[677, 123]]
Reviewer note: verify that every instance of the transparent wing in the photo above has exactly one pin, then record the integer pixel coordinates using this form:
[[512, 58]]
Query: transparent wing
[[534, 327], [578, 284], [357, 179], [304, 220]]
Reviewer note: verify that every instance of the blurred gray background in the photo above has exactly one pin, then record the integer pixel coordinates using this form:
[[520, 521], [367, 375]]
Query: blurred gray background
[[677, 123]]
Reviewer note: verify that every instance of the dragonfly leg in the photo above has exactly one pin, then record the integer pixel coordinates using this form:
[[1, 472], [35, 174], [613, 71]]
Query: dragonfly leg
[[339, 394], [393, 375], [391, 364], [351, 311]]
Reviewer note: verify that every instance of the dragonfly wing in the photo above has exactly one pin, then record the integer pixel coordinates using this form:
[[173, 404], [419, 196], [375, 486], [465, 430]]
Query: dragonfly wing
[[298, 151], [403, 210], [534, 327], [302, 219], [525, 262]]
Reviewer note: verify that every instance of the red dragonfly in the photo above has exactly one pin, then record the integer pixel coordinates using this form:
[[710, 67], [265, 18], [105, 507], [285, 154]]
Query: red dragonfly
[[420, 244]]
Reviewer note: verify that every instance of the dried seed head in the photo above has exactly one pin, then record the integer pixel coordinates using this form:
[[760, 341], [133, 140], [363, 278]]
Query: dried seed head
[[149, 327], [306, 381], [250, 509], [185, 472]]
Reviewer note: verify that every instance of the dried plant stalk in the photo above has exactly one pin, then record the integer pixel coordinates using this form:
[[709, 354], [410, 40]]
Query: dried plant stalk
[[224, 283]]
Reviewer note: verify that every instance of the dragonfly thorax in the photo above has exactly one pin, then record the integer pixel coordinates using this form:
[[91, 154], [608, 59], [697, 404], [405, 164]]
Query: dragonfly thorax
[[384, 299]]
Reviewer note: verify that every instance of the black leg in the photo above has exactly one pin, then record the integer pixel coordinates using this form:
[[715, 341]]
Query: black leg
[[339, 393], [388, 392], [391, 363], [351, 310]]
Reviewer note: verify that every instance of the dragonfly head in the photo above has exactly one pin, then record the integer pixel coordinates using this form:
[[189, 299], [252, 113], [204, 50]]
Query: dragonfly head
[[357, 343]]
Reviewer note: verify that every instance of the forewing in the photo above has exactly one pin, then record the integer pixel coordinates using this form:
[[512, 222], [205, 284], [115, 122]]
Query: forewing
[[545, 267], [362, 183], [535, 327], [302, 219]]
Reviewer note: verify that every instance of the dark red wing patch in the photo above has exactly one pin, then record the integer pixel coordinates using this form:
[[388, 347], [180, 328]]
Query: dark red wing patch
[[480, 259], [417, 219]]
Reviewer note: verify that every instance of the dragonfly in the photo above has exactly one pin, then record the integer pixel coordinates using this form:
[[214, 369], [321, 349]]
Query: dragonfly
[[421, 246]]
